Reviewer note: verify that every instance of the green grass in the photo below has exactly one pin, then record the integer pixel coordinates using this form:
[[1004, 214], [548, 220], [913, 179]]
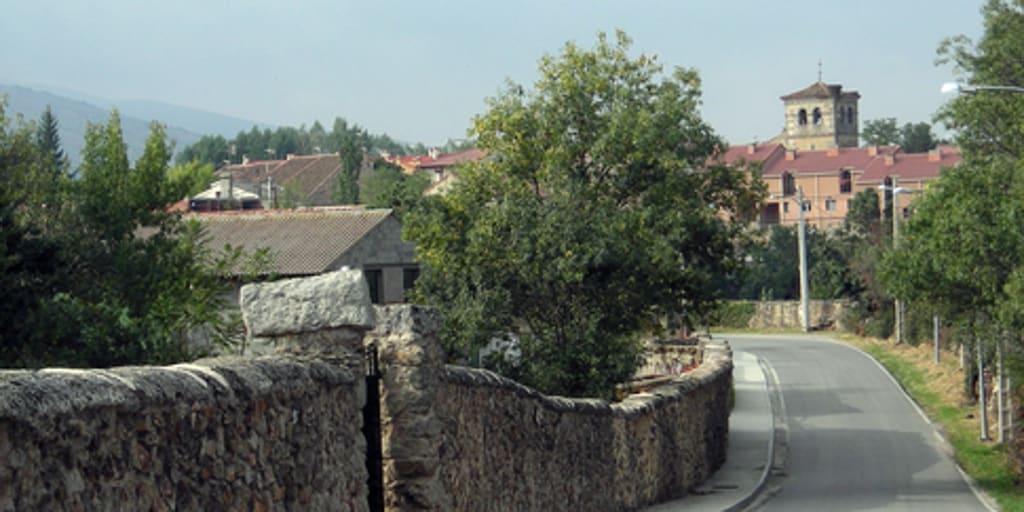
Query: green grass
[[985, 462]]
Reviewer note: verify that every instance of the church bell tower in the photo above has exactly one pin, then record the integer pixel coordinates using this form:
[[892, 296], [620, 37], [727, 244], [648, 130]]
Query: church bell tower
[[821, 116]]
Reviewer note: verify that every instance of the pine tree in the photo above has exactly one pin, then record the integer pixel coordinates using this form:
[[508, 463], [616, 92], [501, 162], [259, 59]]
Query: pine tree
[[48, 142]]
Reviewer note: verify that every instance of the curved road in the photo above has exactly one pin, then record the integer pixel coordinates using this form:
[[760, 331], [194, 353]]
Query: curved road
[[855, 442]]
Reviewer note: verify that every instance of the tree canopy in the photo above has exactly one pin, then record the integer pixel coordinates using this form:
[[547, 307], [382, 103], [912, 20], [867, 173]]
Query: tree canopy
[[912, 137], [95, 271], [597, 211]]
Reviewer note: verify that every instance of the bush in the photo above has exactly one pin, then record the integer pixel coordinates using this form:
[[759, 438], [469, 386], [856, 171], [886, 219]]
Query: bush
[[862, 320], [734, 314]]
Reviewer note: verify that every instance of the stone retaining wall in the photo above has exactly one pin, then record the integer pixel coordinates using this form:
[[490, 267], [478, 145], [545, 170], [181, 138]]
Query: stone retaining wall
[[825, 314], [668, 358], [222, 434]]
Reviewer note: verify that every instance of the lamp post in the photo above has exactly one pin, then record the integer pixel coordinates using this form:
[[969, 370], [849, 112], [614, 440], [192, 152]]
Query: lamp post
[[805, 294], [949, 87], [896, 191]]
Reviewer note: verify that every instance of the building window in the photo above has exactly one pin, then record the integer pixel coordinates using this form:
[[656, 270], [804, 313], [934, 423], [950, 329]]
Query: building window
[[785, 207], [845, 184], [830, 205], [801, 117], [788, 184], [806, 206], [373, 279], [849, 115], [817, 116], [409, 276]]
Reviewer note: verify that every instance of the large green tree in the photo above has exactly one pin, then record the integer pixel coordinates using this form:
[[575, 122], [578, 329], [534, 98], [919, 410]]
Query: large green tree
[[880, 132], [387, 187], [597, 212], [108, 276], [912, 137], [987, 124], [917, 138]]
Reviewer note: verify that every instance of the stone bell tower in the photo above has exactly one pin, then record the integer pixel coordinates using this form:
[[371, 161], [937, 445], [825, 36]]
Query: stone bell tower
[[821, 116]]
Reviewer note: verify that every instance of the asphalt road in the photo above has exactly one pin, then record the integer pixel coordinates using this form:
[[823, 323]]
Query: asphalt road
[[855, 441]]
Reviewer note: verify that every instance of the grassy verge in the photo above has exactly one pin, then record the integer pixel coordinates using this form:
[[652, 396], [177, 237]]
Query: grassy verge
[[938, 390]]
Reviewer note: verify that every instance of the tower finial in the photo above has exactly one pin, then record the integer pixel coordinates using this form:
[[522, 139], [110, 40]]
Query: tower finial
[[819, 69]]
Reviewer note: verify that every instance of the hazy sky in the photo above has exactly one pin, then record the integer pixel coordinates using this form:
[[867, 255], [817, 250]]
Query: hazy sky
[[420, 69]]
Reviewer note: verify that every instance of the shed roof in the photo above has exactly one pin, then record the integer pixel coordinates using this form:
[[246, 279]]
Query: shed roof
[[303, 241]]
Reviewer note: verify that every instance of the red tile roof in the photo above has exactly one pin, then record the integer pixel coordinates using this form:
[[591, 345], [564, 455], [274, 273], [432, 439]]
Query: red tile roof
[[314, 175], [912, 166], [820, 89], [764, 153], [450, 159], [875, 163], [826, 160]]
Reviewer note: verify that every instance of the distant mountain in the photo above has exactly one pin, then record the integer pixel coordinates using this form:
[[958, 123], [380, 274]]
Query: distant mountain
[[193, 120], [184, 125]]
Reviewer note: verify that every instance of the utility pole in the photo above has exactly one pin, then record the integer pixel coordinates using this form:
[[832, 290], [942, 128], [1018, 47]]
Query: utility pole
[[981, 393], [897, 303], [805, 310]]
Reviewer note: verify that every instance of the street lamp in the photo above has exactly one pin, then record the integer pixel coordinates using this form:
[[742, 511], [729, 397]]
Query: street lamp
[[949, 87], [805, 313], [896, 191]]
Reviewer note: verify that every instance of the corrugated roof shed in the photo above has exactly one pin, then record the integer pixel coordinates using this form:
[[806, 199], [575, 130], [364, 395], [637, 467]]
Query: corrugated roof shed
[[301, 242]]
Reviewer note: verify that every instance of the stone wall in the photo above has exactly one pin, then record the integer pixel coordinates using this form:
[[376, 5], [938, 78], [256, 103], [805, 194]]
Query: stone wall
[[411, 361], [507, 447], [825, 314], [465, 439], [222, 434], [668, 358], [283, 432]]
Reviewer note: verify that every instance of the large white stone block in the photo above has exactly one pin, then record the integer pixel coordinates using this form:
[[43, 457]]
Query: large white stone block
[[328, 301]]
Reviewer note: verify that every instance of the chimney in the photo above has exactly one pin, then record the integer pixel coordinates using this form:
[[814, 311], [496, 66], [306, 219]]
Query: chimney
[[790, 155], [245, 159], [433, 152], [890, 159], [832, 151], [872, 150], [935, 155], [751, 148]]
